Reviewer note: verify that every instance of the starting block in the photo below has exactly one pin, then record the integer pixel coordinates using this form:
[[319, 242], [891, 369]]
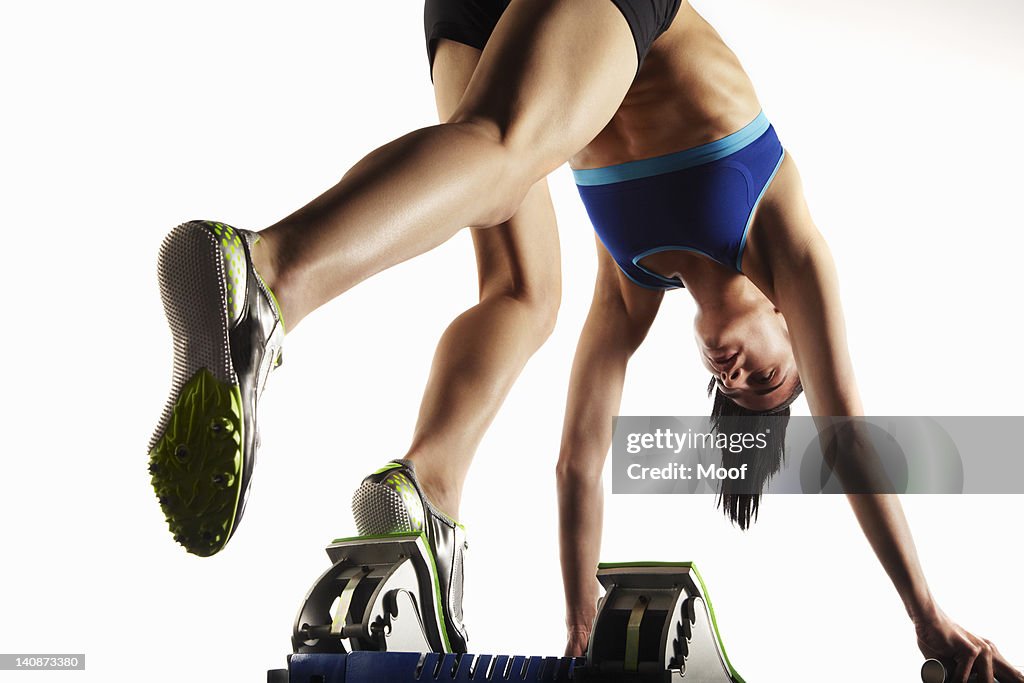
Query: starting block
[[379, 595], [375, 616], [655, 623]]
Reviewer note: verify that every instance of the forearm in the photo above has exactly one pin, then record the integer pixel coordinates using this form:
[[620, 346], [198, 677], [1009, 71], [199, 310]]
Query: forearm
[[884, 524], [581, 517], [595, 392], [851, 452]]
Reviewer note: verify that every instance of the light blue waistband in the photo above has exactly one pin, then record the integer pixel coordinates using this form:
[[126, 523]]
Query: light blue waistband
[[676, 161]]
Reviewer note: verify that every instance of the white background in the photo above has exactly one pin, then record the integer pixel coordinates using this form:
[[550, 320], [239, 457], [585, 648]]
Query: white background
[[120, 121]]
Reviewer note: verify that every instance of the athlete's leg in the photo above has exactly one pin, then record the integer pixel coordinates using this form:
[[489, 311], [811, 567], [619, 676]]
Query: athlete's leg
[[552, 75], [483, 351], [619, 318]]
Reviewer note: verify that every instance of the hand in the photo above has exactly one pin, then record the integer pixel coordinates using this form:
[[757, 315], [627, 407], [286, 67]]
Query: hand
[[577, 639], [939, 637]]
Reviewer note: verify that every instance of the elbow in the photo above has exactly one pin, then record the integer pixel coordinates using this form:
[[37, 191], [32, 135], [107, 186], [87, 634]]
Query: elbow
[[578, 470]]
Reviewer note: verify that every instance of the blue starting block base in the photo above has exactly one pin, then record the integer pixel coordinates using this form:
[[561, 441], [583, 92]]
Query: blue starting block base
[[414, 667]]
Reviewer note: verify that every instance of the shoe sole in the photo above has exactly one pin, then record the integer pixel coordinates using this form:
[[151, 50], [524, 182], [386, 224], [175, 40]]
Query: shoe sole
[[196, 455]]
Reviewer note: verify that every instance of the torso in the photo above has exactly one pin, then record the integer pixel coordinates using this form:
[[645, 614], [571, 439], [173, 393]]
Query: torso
[[690, 90]]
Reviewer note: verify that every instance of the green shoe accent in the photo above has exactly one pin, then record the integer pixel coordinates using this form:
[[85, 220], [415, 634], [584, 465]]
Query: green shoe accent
[[389, 466], [399, 483], [437, 596], [234, 266], [370, 537], [196, 465]]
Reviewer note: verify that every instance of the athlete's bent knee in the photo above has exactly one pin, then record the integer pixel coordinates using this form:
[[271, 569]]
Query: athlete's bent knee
[[542, 309], [546, 314], [537, 296], [521, 164]]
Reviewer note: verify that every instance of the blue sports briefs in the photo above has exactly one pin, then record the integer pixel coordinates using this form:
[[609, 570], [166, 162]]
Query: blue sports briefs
[[701, 199]]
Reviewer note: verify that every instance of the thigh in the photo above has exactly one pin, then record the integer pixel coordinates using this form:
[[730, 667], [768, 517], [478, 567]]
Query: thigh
[[522, 254], [552, 75]]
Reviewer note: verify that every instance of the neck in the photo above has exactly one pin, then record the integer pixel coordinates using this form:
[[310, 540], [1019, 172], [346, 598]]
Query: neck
[[713, 286], [722, 294]]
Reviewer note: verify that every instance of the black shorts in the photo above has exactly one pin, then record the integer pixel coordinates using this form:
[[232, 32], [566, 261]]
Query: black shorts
[[471, 22]]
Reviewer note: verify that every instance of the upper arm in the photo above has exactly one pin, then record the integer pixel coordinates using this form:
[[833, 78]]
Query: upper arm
[[628, 309], [788, 259], [807, 293], [620, 316]]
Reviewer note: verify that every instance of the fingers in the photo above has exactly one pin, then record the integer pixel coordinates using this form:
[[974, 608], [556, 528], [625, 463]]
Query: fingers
[[986, 662], [983, 664], [576, 645], [1005, 672], [965, 663], [973, 658]]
